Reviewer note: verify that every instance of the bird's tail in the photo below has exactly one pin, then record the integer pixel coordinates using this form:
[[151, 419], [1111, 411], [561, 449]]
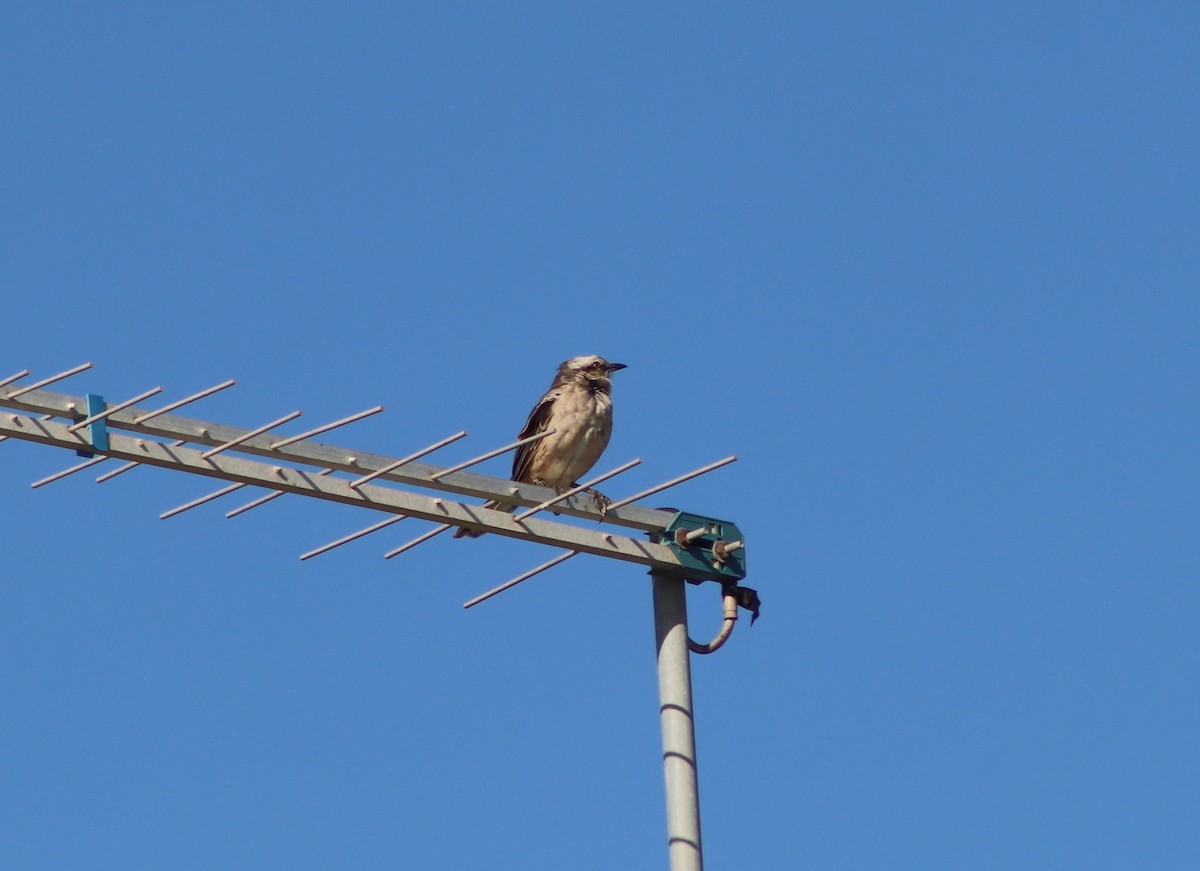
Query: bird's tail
[[463, 532]]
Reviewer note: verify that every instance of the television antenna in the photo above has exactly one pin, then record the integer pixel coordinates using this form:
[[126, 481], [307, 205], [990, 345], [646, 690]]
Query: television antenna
[[679, 547]]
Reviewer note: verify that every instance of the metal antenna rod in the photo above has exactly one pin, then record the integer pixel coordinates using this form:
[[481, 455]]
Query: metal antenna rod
[[391, 467], [354, 536], [263, 500], [634, 498], [197, 502], [120, 406], [533, 438], [561, 558], [87, 464], [39, 384], [246, 436], [4, 382], [677, 720], [327, 427], [600, 479], [437, 530], [182, 402]]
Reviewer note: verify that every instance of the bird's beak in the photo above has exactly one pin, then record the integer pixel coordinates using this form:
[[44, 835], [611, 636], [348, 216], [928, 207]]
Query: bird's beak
[[613, 367]]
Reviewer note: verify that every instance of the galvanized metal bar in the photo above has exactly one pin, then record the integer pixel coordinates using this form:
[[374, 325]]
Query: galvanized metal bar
[[404, 461], [16, 417], [561, 558], [354, 536], [533, 438], [38, 385], [697, 473], [246, 436], [579, 488], [108, 476], [202, 500], [389, 499], [677, 720], [464, 484], [326, 428], [87, 464], [112, 409], [179, 403]]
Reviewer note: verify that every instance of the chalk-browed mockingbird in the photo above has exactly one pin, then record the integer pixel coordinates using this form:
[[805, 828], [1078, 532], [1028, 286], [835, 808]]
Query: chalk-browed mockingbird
[[578, 406]]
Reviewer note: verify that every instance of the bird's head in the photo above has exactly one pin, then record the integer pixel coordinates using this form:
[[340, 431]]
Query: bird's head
[[592, 370]]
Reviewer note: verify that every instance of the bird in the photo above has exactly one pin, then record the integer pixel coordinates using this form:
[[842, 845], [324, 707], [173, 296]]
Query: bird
[[578, 406]]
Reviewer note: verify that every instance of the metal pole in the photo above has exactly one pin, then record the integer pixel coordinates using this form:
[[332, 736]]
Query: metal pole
[[678, 732]]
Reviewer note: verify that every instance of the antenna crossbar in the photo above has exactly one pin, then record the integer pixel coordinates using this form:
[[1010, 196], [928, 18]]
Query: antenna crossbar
[[159, 425], [245, 471]]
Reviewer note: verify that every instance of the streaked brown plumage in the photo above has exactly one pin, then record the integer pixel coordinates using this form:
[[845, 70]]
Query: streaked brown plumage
[[578, 406]]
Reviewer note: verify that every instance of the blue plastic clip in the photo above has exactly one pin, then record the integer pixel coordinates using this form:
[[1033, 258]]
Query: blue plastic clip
[[99, 429]]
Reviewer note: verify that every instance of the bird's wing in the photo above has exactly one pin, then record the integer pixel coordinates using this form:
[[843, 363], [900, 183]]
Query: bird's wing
[[539, 421]]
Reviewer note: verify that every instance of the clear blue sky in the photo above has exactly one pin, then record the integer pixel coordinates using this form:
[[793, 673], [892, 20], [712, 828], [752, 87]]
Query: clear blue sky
[[930, 269]]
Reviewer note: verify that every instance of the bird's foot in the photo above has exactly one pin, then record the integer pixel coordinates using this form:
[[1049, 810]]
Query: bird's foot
[[601, 501]]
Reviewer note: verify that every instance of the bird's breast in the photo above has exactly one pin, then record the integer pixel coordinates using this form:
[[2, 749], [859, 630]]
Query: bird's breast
[[584, 423]]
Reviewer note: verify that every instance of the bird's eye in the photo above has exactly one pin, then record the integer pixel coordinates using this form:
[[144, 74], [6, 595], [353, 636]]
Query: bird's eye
[[595, 367]]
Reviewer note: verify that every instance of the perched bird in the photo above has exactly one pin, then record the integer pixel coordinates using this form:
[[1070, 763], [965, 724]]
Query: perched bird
[[578, 406]]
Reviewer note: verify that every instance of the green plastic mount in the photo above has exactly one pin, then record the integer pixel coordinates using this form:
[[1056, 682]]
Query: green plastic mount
[[698, 554]]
